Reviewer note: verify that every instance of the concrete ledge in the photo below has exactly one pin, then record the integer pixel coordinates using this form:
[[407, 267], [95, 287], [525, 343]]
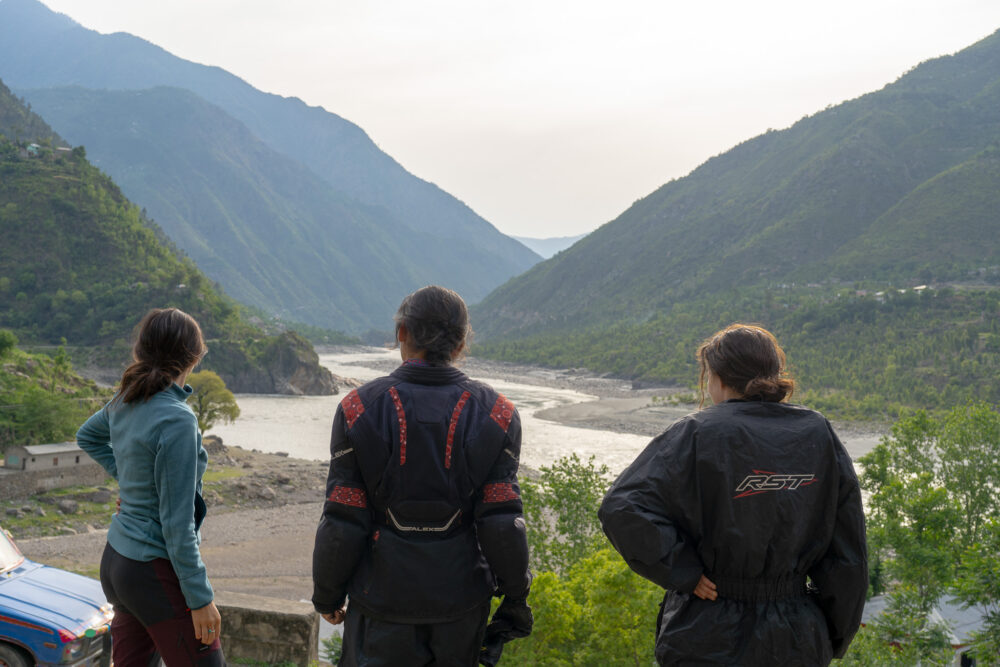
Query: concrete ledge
[[260, 629]]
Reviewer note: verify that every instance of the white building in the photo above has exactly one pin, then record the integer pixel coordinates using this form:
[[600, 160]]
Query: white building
[[46, 457]]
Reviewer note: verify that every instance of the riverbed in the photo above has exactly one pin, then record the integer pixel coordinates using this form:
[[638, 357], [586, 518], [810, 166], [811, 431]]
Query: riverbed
[[562, 412]]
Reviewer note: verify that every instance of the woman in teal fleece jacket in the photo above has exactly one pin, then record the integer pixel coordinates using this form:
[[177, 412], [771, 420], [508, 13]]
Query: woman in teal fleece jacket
[[147, 438]]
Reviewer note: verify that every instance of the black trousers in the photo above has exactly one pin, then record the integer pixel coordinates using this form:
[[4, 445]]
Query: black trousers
[[151, 621], [374, 643]]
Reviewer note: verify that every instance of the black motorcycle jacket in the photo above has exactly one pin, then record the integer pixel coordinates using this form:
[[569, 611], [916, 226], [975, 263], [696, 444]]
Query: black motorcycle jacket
[[423, 519], [759, 497]]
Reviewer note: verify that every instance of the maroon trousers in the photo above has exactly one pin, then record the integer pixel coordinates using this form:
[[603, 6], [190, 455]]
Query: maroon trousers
[[151, 621]]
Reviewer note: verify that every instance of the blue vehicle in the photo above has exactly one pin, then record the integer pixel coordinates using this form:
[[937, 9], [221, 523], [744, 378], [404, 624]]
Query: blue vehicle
[[49, 616]]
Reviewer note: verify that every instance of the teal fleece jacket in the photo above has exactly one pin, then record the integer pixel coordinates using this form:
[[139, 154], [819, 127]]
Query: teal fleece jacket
[[153, 449]]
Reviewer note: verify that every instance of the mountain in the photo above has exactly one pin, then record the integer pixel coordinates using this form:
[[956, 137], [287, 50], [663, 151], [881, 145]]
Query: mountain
[[261, 224], [80, 262], [800, 229], [549, 246], [42, 49], [798, 205]]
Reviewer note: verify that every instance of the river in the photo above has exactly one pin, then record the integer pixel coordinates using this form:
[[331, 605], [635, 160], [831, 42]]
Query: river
[[300, 425]]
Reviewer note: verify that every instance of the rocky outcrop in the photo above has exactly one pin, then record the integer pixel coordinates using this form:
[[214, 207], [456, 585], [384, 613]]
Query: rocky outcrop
[[282, 364]]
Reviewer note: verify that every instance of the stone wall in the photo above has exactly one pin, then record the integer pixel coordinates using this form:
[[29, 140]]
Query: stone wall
[[23, 483], [259, 629]]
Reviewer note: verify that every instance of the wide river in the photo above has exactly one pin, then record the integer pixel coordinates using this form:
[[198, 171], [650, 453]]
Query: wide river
[[300, 425]]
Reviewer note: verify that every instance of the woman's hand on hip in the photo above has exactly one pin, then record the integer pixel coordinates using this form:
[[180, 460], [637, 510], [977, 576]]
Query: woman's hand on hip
[[207, 623], [705, 589]]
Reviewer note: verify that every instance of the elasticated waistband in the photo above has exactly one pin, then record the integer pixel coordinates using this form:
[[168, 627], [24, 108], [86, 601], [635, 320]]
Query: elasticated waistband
[[759, 590]]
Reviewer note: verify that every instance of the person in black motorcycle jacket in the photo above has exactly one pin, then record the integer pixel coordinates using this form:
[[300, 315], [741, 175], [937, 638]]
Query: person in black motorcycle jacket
[[749, 514], [422, 522]]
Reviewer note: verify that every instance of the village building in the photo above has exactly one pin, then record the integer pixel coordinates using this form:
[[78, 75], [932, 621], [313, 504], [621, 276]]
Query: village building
[[960, 621], [46, 457]]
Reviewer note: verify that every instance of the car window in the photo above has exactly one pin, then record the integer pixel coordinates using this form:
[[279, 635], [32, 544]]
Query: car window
[[10, 555]]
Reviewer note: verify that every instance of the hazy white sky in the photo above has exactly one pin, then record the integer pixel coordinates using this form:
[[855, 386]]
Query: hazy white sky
[[550, 118]]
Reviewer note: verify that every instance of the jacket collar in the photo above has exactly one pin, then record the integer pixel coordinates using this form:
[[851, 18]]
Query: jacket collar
[[435, 375], [179, 392]]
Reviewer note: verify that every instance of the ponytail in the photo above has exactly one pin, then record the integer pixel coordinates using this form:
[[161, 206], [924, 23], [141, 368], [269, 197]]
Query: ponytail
[[167, 343]]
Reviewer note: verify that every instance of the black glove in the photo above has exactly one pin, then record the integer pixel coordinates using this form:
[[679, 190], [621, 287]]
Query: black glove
[[511, 620]]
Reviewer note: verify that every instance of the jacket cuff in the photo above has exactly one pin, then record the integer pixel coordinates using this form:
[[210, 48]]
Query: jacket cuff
[[324, 607]]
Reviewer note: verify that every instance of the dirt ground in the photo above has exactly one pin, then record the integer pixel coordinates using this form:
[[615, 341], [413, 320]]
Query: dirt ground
[[257, 538]]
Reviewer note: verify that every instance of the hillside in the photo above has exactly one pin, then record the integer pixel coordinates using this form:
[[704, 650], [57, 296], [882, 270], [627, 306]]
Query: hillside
[[80, 262], [41, 49], [259, 223], [21, 124], [42, 399], [795, 206], [895, 189]]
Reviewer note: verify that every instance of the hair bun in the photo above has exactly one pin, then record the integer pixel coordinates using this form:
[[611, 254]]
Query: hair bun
[[769, 388]]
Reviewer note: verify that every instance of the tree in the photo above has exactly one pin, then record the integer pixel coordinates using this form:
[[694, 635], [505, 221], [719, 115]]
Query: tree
[[7, 341], [211, 400], [589, 607], [933, 522], [978, 585], [561, 512]]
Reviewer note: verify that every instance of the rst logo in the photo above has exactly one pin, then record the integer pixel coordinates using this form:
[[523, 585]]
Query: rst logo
[[762, 481]]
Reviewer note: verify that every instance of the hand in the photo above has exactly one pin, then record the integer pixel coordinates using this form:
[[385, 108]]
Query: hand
[[512, 620], [705, 589], [336, 618], [207, 623]]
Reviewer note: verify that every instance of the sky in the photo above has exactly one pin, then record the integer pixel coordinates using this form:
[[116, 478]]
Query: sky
[[550, 118]]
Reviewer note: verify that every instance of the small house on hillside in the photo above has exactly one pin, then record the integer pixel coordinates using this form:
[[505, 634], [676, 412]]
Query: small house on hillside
[[960, 621], [33, 150], [46, 457]]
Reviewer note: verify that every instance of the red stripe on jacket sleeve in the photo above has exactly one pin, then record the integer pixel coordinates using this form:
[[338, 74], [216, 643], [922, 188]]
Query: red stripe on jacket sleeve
[[499, 492], [352, 407], [503, 412], [346, 495]]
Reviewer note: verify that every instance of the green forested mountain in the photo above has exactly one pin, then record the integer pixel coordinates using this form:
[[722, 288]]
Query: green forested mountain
[[80, 262], [799, 229], [41, 49], [260, 223]]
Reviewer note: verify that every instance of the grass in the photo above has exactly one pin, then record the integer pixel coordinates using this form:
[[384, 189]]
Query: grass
[[218, 474], [88, 513]]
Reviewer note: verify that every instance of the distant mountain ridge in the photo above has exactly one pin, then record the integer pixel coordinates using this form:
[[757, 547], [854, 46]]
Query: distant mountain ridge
[[549, 246], [42, 49], [856, 192]]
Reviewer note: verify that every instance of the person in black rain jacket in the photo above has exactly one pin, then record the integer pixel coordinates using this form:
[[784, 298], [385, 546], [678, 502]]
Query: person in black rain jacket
[[423, 519], [734, 508]]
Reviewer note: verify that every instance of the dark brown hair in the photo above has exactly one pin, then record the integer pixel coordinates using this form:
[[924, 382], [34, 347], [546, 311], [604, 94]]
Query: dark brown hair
[[748, 359], [437, 321], [168, 341]]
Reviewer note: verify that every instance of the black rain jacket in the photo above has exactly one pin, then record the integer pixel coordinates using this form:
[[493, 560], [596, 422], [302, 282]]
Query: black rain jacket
[[423, 517], [757, 496]]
